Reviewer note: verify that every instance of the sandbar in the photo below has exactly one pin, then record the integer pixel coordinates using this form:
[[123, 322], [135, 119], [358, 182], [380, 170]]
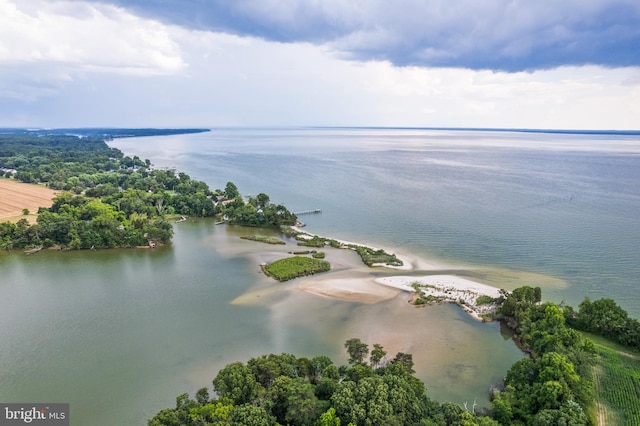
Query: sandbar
[[363, 290], [449, 288]]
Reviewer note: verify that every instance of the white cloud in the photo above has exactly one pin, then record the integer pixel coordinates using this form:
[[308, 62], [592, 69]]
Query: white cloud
[[588, 97], [245, 81], [44, 43]]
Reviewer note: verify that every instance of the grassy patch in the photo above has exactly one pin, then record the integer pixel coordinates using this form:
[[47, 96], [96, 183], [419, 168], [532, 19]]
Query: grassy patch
[[313, 242], [370, 256], [485, 300], [318, 255], [294, 267], [420, 298], [263, 239], [289, 232]]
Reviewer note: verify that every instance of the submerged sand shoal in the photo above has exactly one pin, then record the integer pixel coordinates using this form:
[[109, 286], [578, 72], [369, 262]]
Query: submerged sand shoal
[[351, 280], [352, 289]]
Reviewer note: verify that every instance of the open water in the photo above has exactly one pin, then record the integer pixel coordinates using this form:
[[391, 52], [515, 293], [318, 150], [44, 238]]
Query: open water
[[120, 333], [566, 206]]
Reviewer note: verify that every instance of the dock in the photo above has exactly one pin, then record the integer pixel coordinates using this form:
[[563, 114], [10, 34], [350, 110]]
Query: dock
[[311, 211]]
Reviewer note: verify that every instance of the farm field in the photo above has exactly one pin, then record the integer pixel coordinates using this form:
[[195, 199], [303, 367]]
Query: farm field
[[16, 196], [616, 377]]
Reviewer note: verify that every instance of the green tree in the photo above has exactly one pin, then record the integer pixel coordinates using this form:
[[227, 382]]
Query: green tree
[[166, 417], [251, 415], [602, 316], [377, 354], [236, 382], [366, 402], [231, 191], [303, 406], [328, 418], [262, 200], [404, 359], [357, 350], [202, 396]]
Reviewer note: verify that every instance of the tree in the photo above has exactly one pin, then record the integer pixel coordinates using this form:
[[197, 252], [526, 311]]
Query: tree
[[357, 350], [236, 382], [377, 354], [202, 396], [602, 316], [302, 406], [406, 360], [166, 417], [263, 200], [231, 191], [250, 415], [328, 418]]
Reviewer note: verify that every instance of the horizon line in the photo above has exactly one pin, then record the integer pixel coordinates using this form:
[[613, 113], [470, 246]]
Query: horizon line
[[212, 128]]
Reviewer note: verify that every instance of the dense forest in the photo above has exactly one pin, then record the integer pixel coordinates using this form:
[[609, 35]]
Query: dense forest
[[110, 200], [553, 385]]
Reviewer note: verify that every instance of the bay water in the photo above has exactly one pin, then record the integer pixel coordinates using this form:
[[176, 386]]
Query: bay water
[[120, 333], [558, 209]]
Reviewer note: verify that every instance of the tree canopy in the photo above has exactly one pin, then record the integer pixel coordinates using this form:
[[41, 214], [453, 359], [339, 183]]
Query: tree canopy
[[287, 390], [109, 199]]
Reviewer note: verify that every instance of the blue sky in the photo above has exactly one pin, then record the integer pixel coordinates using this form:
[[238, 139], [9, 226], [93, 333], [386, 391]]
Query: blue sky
[[434, 63]]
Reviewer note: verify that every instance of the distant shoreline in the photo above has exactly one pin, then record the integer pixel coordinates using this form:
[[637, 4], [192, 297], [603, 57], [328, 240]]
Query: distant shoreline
[[494, 129]]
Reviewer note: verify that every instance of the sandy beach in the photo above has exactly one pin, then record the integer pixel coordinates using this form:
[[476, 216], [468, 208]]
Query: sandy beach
[[449, 282], [355, 282], [350, 280], [448, 288], [352, 289]]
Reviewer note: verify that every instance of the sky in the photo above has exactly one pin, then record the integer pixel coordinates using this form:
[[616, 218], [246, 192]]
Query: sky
[[545, 64]]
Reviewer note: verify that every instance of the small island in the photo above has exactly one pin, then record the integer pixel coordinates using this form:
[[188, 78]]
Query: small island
[[294, 267], [370, 256], [264, 239]]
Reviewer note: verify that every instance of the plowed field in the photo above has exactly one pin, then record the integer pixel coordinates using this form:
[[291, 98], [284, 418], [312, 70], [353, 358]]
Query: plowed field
[[15, 196]]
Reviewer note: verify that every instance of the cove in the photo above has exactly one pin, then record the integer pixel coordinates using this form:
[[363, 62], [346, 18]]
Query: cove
[[120, 333]]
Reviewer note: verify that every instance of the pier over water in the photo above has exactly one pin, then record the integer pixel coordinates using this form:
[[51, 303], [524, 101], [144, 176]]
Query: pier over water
[[312, 211]]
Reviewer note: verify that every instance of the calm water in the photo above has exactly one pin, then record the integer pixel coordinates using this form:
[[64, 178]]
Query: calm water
[[120, 333], [544, 206]]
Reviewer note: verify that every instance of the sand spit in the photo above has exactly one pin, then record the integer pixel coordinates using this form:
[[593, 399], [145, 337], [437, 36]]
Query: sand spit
[[407, 263], [363, 290], [448, 288], [352, 281]]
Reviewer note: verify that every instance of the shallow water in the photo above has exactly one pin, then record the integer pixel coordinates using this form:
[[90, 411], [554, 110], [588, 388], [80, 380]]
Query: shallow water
[[120, 333]]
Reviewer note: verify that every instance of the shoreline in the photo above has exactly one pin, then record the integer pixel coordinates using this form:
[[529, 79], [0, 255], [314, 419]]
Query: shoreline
[[448, 288], [355, 284]]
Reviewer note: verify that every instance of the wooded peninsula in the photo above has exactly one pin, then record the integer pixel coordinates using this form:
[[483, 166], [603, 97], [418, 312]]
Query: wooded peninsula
[[110, 200]]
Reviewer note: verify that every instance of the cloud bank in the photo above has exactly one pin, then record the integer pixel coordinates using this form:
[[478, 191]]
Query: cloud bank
[[58, 42], [501, 35], [73, 63]]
